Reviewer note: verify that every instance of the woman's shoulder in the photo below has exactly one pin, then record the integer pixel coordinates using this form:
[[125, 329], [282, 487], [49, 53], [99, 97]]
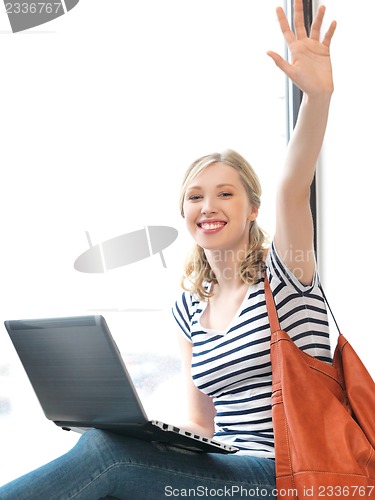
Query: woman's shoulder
[[186, 303], [281, 275], [184, 309]]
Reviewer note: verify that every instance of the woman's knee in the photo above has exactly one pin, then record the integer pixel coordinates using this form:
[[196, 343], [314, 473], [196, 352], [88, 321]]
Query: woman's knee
[[95, 441], [104, 446]]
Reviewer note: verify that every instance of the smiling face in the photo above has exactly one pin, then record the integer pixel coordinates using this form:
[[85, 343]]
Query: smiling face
[[217, 209]]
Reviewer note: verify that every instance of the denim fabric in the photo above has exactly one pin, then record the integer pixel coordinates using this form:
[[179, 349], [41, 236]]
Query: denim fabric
[[104, 465]]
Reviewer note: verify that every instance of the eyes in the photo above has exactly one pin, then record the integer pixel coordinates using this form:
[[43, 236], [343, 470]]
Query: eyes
[[198, 197]]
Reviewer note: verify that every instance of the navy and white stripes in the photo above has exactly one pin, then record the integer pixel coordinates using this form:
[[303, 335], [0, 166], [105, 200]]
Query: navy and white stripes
[[234, 367]]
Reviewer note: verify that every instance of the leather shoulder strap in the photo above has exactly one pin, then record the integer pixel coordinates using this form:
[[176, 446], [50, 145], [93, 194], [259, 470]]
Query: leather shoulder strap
[[271, 307], [330, 310], [275, 332]]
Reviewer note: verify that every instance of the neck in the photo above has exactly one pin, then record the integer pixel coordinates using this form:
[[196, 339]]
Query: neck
[[226, 266]]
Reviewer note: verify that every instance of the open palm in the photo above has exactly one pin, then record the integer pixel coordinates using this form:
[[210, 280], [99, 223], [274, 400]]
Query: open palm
[[310, 63]]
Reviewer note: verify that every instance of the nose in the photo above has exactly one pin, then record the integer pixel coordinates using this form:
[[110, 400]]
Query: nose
[[208, 207]]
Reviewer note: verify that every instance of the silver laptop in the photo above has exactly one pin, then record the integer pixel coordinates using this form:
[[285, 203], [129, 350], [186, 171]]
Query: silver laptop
[[81, 381]]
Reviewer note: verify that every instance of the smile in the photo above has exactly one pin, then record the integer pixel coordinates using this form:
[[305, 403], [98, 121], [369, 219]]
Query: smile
[[211, 226]]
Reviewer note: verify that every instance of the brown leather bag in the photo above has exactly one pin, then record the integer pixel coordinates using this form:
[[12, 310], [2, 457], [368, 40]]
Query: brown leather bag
[[323, 418]]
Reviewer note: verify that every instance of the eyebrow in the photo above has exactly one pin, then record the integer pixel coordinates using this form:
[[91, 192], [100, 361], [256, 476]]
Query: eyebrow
[[226, 184]]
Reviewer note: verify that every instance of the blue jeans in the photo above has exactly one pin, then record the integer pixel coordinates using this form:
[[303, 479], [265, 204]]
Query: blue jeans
[[105, 465]]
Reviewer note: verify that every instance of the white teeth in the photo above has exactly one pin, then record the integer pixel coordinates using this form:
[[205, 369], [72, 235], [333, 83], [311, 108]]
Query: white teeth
[[211, 226]]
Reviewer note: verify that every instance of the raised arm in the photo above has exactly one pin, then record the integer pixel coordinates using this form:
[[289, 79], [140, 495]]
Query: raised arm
[[310, 70]]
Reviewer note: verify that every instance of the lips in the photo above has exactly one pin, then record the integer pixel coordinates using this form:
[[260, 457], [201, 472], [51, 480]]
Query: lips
[[211, 225]]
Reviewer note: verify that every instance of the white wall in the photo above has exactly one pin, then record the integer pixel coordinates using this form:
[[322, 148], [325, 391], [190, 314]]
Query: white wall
[[101, 112], [346, 176]]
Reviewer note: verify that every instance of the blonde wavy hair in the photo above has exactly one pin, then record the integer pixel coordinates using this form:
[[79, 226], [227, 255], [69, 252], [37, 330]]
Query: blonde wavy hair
[[197, 271]]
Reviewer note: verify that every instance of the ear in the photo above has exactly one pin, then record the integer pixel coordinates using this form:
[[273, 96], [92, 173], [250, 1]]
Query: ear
[[253, 213]]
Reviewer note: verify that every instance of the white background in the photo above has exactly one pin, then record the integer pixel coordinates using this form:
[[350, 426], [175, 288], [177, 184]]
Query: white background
[[346, 176], [101, 112]]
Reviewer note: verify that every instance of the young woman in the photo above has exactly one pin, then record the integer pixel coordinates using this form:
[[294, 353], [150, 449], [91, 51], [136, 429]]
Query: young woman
[[223, 318]]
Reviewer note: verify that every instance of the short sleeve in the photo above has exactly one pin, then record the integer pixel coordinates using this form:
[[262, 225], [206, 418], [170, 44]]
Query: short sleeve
[[277, 271], [182, 313], [301, 308]]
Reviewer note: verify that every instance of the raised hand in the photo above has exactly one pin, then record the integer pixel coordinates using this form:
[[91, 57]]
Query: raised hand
[[310, 63]]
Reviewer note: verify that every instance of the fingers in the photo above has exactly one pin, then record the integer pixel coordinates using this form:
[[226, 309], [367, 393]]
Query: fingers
[[299, 25], [284, 26], [299, 21], [317, 24], [330, 32], [280, 62]]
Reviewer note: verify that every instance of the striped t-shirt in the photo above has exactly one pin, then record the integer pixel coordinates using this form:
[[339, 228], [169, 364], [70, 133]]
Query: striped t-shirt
[[234, 366]]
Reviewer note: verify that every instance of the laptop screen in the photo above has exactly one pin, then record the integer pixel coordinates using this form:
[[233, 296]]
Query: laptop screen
[[76, 370]]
